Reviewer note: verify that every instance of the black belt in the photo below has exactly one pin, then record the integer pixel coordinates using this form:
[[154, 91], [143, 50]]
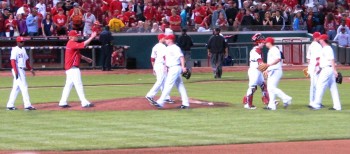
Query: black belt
[[22, 68]]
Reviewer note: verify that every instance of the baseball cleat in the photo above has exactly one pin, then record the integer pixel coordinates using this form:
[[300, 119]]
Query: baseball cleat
[[149, 99], [333, 109], [287, 103], [30, 108], [268, 108], [314, 108], [11, 108], [170, 101], [88, 105], [64, 106], [183, 107], [322, 106], [157, 105], [249, 107]]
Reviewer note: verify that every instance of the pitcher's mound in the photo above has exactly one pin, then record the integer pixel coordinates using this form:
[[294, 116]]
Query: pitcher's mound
[[129, 104]]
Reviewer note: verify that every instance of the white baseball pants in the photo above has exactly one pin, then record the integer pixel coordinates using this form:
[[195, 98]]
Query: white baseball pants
[[161, 74], [325, 80], [73, 77], [19, 84], [313, 82], [273, 79], [174, 78]]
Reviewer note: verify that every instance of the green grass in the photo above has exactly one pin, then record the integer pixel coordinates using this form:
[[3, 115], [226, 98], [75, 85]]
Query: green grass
[[79, 130]]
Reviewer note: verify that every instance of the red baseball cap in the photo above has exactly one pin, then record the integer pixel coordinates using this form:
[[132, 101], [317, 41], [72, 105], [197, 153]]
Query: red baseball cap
[[316, 35], [161, 36], [170, 37], [323, 37], [20, 39], [73, 33], [270, 40]]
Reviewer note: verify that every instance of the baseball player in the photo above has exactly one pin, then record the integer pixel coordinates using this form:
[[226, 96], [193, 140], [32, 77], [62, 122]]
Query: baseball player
[[175, 62], [256, 77], [313, 57], [159, 69], [274, 72], [19, 62], [326, 77], [72, 61]]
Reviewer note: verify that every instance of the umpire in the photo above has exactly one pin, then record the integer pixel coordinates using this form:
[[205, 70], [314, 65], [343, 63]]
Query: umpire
[[106, 47], [185, 43], [217, 49]]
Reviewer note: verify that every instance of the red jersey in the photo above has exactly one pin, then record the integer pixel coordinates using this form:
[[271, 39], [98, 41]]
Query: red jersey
[[54, 11], [149, 12], [105, 7], [159, 15], [175, 26], [115, 5], [123, 18], [40, 19], [19, 3], [60, 20], [13, 27], [129, 14], [290, 3], [198, 15], [170, 3], [72, 55], [222, 22]]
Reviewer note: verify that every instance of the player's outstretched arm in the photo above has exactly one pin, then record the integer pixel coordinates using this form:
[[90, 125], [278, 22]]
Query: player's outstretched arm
[[89, 60], [182, 60], [87, 42]]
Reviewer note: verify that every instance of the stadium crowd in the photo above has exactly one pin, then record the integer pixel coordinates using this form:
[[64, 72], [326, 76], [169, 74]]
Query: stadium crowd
[[56, 17]]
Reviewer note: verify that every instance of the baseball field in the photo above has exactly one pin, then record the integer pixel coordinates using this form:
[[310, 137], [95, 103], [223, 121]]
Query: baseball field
[[122, 119]]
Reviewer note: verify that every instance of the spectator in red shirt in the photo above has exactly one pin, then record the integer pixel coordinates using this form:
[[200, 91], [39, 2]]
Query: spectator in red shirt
[[171, 4], [86, 5], [115, 5], [149, 12], [105, 5], [198, 15], [72, 60], [175, 21], [54, 10], [208, 8], [330, 26], [11, 26], [60, 22], [123, 18], [131, 15], [2, 25], [222, 22], [159, 15]]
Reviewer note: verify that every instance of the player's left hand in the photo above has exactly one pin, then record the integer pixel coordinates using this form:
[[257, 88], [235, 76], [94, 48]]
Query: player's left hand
[[32, 71], [184, 69], [335, 73]]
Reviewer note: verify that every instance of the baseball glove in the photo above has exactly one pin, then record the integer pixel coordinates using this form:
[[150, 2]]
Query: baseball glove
[[339, 79], [306, 72], [187, 74], [263, 67]]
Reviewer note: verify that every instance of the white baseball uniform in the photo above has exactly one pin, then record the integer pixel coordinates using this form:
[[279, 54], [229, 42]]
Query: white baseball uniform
[[275, 73], [20, 84], [158, 53], [173, 54], [256, 77], [326, 79], [313, 55]]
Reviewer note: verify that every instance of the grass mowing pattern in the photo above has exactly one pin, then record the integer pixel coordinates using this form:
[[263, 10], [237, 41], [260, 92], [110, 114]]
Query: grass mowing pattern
[[78, 130]]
